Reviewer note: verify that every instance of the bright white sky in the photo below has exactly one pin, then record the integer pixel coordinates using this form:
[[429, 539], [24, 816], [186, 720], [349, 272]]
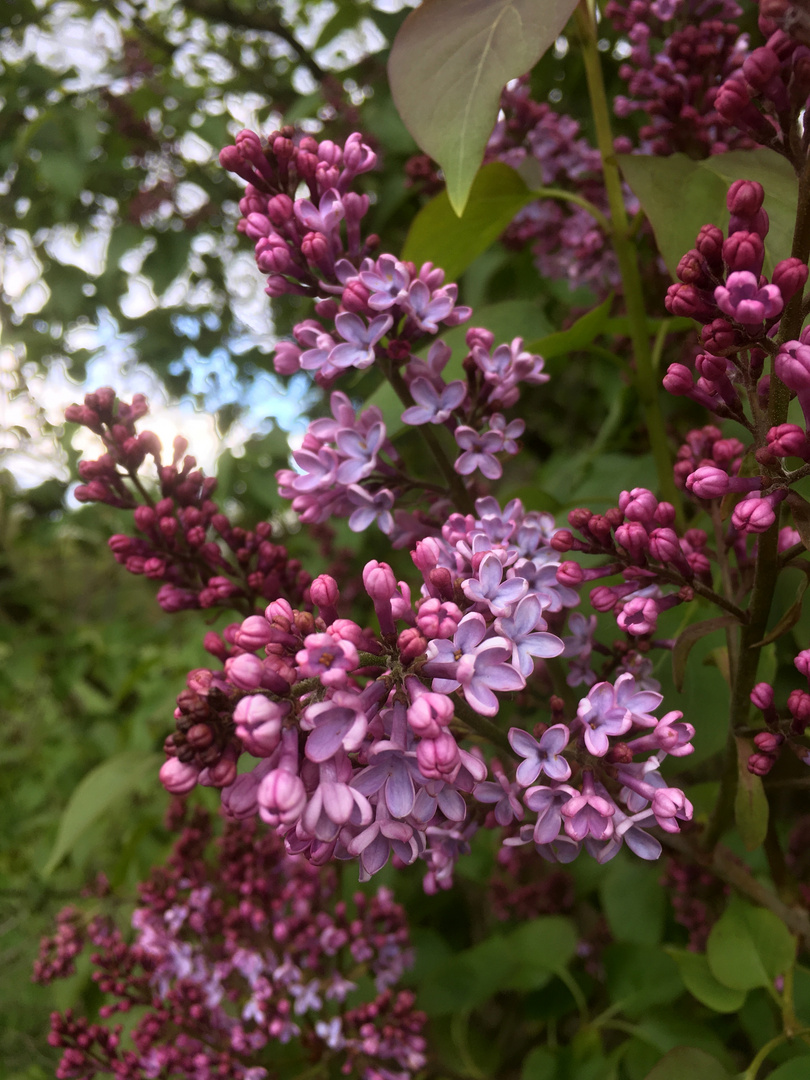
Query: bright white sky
[[89, 45]]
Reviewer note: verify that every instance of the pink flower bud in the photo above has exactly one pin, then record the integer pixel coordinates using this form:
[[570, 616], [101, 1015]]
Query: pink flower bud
[[178, 777], [244, 672], [411, 644], [762, 696], [707, 482], [254, 633], [761, 764], [753, 514], [745, 197], [802, 663], [789, 276], [281, 797], [439, 758], [570, 574]]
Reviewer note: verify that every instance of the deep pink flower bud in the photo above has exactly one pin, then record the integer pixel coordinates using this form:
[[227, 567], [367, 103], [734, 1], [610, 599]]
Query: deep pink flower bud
[[325, 594], [664, 514], [214, 644], [745, 198], [753, 514], [638, 504], [799, 704], [603, 598], [768, 741], [690, 302], [762, 696], [720, 337], [802, 663], [761, 764], [245, 671], [429, 714], [258, 724], [411, 644], [254, 633], [759, 67], [315, 248], [709, 244], [707, 482], [744, 251], [678, 380], [633, 538], [439, 758], [280, 209], [381, 586], [355, 298], [570, 574], [562, 540], [692, 270], [789, 276], [282, 798], [712, 367], [178, 777], [788, 440], [273, 255]]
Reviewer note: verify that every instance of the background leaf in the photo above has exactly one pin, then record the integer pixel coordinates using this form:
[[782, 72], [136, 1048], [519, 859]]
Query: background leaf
[[701, 984], [687, 1061], [439, 236], [749, 947], [448, 65], [97, 794], [679, 195], [750, 801]]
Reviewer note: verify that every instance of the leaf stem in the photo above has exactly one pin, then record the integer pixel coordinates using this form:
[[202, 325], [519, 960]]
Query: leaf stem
[[627, 259], [577, 200]]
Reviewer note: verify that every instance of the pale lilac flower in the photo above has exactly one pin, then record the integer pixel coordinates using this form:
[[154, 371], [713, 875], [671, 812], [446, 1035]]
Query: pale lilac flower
[[327, 658], [370, 508], [340, 722], [325, 218], [478, 666], [520, 629], [547, 803], [433, 407], [320, 470], [429, 309], [543, 756], [508, 432], [599, 717], [479, 452], [359, 340], [360, 450], [639, 703], [504, 794], [387, 280], [489, 589]]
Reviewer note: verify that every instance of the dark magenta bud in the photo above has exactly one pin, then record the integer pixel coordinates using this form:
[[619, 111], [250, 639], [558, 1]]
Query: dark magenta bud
[[789, 275], [745, 198], [744, 251], [759, 67]]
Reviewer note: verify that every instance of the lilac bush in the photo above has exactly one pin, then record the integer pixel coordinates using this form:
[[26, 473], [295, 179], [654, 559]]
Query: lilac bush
[[358, 715]]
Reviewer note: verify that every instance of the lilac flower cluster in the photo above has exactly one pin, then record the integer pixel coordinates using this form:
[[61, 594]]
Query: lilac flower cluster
[[185, 541], [379, 310], [566, 241], [767, 94], [356, 733], [615, 797], [720, 285], [351, 728], [233, 956], [682, 53], [783, 729], [642, 544]]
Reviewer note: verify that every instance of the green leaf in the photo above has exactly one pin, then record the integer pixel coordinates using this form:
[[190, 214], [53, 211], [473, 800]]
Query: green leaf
[[687, 638], [538, 949], [680, 195], [750, 802], [639, 978], [789, 619], [633, 901], [795, 1069], [539, 1064], [439, 236], [582, 333], [467, 979], [448, 65], [687, 1061], [97, 794], [701, 984], [749, 947]]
